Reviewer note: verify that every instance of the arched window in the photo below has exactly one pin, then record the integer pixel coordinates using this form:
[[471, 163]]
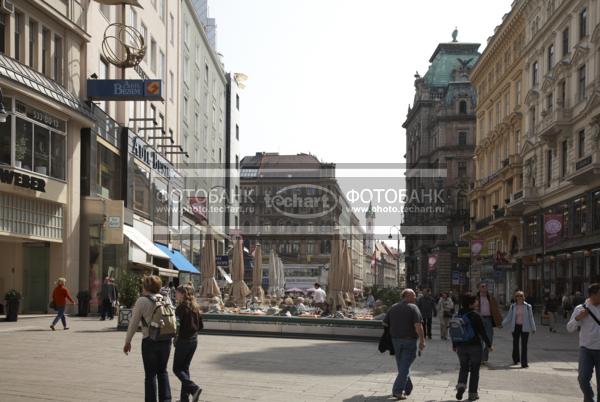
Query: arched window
[[462, 107]]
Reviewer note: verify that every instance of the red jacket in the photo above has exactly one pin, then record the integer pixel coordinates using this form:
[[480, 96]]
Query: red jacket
[[60, 296]]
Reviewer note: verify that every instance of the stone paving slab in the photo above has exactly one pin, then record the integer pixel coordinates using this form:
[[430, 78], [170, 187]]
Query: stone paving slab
[[86, 364]]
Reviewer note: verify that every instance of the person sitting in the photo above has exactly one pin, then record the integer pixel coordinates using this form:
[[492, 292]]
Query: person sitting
[[289, 309], [300, 307], [273, 309], [215, 306]]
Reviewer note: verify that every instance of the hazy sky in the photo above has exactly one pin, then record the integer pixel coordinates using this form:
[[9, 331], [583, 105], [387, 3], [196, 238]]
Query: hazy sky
[[335, 77]]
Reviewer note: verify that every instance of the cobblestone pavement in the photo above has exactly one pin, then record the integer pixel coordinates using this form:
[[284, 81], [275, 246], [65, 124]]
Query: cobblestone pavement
[[86, 364]]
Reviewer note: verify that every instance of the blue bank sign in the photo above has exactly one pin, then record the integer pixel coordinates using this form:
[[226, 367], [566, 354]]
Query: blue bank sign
[[124, 90]]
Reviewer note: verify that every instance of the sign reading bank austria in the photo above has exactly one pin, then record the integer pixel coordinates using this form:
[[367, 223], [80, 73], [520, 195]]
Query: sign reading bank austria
[[124, 90]]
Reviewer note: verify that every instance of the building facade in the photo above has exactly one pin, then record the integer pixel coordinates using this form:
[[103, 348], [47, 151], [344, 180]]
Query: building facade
[[440, 134], [42, 58], [235, 83], [496, 195]]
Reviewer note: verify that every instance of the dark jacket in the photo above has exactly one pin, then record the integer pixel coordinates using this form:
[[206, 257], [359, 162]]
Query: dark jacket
[[385, 342], [478, 327], [190, 322], [427, 306], [108, 292]]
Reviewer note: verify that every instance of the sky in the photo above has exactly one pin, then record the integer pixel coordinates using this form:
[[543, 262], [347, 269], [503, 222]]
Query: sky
[[334, 78]]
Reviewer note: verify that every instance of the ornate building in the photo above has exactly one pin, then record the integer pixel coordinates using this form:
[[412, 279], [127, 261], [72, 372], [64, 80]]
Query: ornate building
[[496, 195], [440, 130]]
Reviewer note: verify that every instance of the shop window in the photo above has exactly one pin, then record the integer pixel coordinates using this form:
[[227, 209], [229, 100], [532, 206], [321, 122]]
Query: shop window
[[58, 156], [462, 138], [579, 216], [5, 141], [161, 203], [23, 145], [141, 190], [109, 174], [41, 150], [462, 107]]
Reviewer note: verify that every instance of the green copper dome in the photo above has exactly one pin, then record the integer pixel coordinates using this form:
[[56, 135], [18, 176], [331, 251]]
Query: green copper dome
[[447, 58]]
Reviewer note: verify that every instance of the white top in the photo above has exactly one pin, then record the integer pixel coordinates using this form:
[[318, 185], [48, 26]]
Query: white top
[[589, 335], [319, 296]]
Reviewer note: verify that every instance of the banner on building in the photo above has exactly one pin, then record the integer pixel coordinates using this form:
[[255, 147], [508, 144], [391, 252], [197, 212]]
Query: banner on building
[[553, 225], [432, 260], [124, 90], [199, 207], [476, 248], [464, 252]]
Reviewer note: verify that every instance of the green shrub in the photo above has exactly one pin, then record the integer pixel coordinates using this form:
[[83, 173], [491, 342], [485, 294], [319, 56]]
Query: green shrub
[[128, 286]]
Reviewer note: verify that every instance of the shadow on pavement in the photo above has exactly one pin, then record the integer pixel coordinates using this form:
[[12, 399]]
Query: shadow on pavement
[[362, 398]]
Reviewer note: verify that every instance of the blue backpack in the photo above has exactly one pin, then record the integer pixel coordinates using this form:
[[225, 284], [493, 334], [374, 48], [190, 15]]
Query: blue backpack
[[460, 328]]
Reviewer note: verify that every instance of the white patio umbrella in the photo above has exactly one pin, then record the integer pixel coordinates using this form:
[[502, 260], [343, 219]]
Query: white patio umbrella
[[208, 267], [257, 290], [335, 291], [239, 289]]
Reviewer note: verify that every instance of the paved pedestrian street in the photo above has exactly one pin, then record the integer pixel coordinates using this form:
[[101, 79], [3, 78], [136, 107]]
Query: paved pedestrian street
[[86, 363]]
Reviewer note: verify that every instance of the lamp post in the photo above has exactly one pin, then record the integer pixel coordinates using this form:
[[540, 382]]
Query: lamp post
[[397, 253]]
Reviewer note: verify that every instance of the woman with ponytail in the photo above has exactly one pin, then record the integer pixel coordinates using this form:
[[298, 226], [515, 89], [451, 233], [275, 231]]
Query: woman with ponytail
[[189, 323]]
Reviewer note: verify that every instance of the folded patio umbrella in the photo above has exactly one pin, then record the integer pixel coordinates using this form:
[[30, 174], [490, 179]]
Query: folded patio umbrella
[[239, 289], [335, 291], [257, 290], [208, 267], [348, 270]]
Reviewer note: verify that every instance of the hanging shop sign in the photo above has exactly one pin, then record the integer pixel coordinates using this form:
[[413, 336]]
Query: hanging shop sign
[[222, 260], [22, 180], [553, 224], [125, 90], [148, 155], [199, 207], [476, 247], [432, 260]]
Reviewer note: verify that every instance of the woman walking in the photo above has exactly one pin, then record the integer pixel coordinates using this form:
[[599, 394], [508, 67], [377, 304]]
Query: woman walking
[[60, 295], [520, 320], [470, 352], [155, 353], [189, 323], [445, 310]]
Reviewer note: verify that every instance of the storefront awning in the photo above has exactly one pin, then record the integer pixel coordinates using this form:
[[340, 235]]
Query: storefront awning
[[178, 259], [142, 242]]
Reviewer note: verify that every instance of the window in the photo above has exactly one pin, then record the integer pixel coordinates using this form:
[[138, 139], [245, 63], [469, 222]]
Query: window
[[18, 34], [171, 86], [583, 16], [532, 121], [565, 42], [462, 138], [144, 33], [506, 104], [532, 231], [58, 59], [206, 73], [3, 33], [186, 33], [550, 57], [549, 101], [548, 167], [153, 123], [141, 189], [581, 83], [563, 94], [563, 160], [32, 45], [161, 66], [105, 10], [133, 17], [237, 162], [162, 10], [186, 71], [45, 52], [581, 144], [171, 29], [185, 107], [518, 93], [534, 73], [153, 55], [462, 107], [596, 210], [517, 141], [462, 169], [237, 132], [161, 203], [579, 215], [103, 74], [109, 174], [6, 140], [141, 114]]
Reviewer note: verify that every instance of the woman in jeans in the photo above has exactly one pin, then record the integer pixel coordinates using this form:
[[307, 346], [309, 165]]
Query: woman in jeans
[[189, 323], [155, 354], [445, 310], [470, 352], [60, 295], [520, 320]]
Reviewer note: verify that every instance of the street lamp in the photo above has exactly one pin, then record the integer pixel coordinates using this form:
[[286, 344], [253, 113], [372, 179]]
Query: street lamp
[[398, 253]]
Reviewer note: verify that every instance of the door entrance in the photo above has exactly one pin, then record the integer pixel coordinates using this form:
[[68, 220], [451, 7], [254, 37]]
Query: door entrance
[[35, 278]]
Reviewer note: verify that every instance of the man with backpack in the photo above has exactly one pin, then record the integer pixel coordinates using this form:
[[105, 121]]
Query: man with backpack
[[586, 319], [405, 324], [467, 333], [159, 326]]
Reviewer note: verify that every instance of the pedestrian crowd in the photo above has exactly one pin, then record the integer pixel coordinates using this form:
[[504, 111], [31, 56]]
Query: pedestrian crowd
[[407, 326]]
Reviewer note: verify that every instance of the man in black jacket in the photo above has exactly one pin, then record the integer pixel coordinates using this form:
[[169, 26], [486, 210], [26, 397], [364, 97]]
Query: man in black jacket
[[427, 306]]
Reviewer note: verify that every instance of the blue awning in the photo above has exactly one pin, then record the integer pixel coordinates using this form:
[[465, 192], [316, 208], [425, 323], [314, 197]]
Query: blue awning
[[178, 259]]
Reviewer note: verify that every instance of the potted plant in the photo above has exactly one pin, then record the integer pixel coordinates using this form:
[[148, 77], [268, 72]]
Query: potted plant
[[20, 150], [83, 301], [128, 286], [13, 300]]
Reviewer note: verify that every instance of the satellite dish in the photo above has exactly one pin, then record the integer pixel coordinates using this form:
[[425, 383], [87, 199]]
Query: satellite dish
[[134, 3]]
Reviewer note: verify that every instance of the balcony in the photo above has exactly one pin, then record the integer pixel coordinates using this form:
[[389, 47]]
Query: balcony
[[553, 122], [586, 169], [483, 223]]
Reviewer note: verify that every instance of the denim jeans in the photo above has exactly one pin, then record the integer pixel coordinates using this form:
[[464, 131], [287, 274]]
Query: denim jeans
[[184, 352], [469, 357], [107, 309], [60, 315], [488, 325], [589, 359], [427, 326], [155, 355], [405, 352], [524, 336]]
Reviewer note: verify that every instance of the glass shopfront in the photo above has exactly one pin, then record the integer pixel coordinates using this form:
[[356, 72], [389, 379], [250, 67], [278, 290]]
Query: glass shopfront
[[109, 174]]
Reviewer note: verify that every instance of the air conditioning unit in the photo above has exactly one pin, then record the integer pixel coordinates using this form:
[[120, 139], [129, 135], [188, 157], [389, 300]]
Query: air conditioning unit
[[7, 7]]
